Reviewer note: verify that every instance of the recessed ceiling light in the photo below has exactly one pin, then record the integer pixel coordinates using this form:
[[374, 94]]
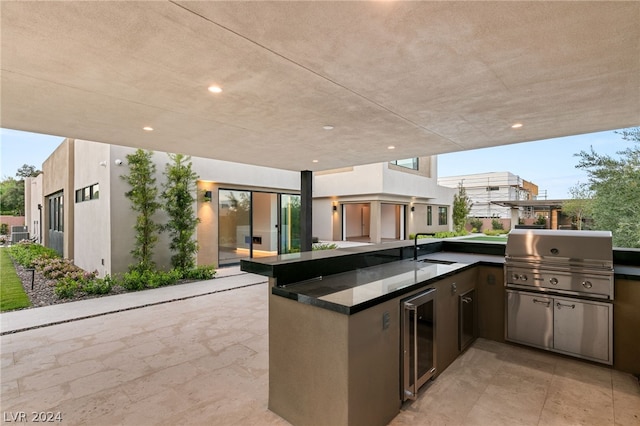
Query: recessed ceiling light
[[516, 126], [391, 147], [328, 127], [147, 129], [215, 89], [314, 161]]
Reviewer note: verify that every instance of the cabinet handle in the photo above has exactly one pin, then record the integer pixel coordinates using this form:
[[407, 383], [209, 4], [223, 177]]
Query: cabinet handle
[[415, 355], [560, 305], [542, 302], [467, 300]]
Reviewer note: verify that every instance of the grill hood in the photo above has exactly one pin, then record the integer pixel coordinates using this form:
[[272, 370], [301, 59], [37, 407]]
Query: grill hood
[[589, 249]]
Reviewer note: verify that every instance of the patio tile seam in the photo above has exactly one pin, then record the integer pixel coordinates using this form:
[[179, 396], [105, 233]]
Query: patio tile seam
[[130, 308]]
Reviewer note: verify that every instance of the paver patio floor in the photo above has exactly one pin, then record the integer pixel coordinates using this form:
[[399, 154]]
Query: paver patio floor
[[204, 361]]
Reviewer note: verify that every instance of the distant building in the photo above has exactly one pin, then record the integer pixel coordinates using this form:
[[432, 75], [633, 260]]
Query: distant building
[[485, 189]]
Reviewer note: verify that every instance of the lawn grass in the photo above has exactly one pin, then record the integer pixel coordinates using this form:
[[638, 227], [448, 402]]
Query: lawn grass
[[496, 239], [12, 295]]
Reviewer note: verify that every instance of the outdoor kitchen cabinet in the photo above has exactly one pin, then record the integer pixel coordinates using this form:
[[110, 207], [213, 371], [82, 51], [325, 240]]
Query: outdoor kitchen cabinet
[[491, 302], [570, 326], [447, 315]]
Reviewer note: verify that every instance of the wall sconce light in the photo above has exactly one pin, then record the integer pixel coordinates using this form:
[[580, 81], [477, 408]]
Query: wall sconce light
[[335, 208], [413, 208], [207, 196]]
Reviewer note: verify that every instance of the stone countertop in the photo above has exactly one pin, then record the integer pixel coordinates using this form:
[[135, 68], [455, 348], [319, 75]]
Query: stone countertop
[[354, 291]]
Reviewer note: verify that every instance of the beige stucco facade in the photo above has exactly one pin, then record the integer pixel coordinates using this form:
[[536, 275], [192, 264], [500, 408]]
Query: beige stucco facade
[[59, 179], [98, 230], [98, 233], [379, 202]]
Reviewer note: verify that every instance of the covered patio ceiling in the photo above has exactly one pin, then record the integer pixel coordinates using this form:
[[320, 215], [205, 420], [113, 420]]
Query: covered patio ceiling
[[424, 77]]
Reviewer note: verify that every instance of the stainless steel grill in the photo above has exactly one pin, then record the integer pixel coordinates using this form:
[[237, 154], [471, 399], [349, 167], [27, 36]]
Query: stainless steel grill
[[560, 285], [576, 263]]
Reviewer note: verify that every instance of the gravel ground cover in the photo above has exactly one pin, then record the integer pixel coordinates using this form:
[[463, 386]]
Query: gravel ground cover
[[42, 293]]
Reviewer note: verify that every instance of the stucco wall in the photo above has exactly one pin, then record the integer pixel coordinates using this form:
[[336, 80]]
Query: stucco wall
[[33, 198], [58, 172], [92, 224], [213, 174]]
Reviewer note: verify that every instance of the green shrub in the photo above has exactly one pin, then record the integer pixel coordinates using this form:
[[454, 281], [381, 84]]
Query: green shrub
[[135, 280], [541, 220], [495, 232], [132, 280], [413, 236], [476, 223], [57, 268], [450, 234], [496, 224], [324, 246], [67, 288], [4, 229], [98, 285], [204, 272], [26, 253]]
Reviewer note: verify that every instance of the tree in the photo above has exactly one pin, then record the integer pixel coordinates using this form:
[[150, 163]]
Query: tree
[[27, 171], [461, 208], [580, 205], [178, 196], [616, 190], [12, 191], [143, 196], [12, 196]]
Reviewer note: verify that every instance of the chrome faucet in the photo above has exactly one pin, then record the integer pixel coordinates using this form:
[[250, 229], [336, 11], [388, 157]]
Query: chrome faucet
[[415, 244]]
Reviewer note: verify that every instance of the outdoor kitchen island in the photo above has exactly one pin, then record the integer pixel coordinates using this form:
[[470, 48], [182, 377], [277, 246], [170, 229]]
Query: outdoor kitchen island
[[334, 328], [335, 323]]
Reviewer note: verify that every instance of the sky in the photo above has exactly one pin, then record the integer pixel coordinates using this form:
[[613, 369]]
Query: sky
[[550, 164]]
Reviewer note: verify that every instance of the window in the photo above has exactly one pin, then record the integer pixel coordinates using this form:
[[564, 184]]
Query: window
[[493, 188], [442, 215], [429, 216], [95, 192], [56, 212], [88, 193], [409, 163]]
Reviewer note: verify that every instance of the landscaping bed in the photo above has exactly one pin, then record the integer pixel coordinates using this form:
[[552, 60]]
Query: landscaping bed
[[43, 289]]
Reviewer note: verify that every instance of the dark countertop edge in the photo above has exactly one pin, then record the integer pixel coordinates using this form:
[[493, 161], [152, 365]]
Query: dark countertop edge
[[625, 272], [287, 268], [350, 310]]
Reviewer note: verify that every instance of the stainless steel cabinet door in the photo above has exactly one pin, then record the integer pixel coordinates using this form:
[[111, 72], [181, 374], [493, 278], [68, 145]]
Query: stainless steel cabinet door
[[583, 328], [530, 319]]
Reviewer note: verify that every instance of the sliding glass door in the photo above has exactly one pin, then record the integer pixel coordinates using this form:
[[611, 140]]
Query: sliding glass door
[[234, 226], [289, 224], [256, 224]]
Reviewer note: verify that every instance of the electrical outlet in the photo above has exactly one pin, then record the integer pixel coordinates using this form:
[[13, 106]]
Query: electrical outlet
[[386, 320]]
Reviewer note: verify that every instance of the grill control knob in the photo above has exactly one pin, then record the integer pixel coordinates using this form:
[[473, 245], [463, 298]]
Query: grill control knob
[[515, 277], [523, 277], [587, 284], [554, 281]]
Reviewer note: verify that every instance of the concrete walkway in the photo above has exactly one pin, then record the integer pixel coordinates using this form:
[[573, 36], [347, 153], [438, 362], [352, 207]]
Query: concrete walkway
[[28, 319]]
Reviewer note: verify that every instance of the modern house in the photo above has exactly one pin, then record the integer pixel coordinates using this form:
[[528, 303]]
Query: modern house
[[77, 206], [486, 189], [381, 202]]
